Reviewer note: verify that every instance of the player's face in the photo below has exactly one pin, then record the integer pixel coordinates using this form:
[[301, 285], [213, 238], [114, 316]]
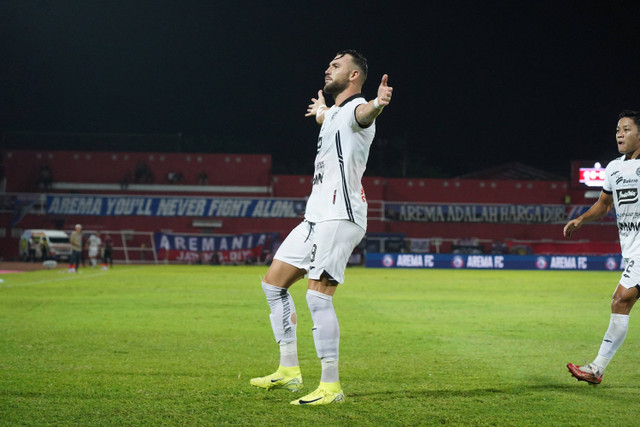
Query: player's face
[[627, 136], [336, 77]]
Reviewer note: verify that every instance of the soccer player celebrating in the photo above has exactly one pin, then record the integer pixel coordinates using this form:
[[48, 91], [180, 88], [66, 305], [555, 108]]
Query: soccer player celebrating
[[335, 222], [620, 189]]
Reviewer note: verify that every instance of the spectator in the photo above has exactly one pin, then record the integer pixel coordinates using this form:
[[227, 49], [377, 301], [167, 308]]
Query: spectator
[[499, 248], [203, 179], [33, 244], [76, 249], [45, 178], [107, 256], [126, 179], [44, 249], [142, 173]]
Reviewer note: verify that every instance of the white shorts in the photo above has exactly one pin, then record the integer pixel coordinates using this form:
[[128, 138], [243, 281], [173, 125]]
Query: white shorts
[[321, 248], [93, 252], [631, 274]]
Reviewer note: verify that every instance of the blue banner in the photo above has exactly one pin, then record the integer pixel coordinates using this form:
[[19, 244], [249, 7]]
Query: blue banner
[[484, 213], [170, 206], [203, 243], [494, 262], [576, 210], [194, 248]]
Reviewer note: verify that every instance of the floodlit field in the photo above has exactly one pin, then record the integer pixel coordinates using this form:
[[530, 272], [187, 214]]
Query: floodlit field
[[177, 345]]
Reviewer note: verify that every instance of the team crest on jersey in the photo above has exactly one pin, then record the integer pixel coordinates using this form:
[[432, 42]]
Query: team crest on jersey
[[638, 171]]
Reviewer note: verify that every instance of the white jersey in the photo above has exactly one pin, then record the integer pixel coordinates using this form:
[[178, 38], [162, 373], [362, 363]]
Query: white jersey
[[622, 180], [343, 150]]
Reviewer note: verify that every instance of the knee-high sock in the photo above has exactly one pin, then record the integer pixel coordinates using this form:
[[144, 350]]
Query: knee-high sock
[[326, 333], [283, 322], [613, 338]]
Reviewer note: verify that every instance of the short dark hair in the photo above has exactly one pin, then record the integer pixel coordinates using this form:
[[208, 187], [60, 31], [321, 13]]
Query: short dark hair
[[358, 59], [633, 115]]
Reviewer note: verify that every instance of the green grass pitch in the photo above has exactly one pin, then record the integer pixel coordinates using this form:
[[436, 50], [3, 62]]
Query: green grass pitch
[[177, 345]]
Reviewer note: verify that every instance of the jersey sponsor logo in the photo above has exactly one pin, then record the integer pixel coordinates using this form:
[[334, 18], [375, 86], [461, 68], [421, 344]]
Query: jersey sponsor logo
[[629, 226], [626, 181], [627, 196], [317, 179]]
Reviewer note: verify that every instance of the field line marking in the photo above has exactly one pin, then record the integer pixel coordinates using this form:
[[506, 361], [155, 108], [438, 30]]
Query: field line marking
[[65, 278]]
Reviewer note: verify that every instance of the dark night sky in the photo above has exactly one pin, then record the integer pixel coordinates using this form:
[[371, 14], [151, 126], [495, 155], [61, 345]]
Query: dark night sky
[[476, 84]]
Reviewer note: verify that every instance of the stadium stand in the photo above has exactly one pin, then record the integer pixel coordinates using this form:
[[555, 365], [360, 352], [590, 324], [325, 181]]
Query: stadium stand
[[249, 176]]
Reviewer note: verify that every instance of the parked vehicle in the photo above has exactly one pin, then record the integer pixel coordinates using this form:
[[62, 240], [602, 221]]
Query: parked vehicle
[[36, 245]]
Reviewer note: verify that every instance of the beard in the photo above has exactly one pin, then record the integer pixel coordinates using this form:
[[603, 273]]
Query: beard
[[334, 87]]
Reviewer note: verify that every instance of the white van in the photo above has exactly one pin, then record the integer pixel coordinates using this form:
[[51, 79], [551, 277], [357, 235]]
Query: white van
[[57, 244]]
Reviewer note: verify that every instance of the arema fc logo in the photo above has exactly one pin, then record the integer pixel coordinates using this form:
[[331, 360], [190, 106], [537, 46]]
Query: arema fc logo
[[541, 263], [457, 262], [388, 261], [611, 263]]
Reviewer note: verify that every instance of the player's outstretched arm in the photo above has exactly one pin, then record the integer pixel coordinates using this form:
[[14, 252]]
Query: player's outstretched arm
[[317, 108], [595, 212], [367, 113]]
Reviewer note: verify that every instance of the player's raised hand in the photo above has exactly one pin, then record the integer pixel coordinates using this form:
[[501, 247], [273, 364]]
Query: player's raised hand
[[571, 226], [384, 92], [316, 104]]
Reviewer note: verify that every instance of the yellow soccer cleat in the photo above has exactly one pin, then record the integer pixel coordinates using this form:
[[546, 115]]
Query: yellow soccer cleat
[[325, 393], [284, 378]]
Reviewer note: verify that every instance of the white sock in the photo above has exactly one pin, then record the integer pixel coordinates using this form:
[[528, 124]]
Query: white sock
[[613, 338], [283, 322], [326, 333], [329, 371], [288, 354]]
